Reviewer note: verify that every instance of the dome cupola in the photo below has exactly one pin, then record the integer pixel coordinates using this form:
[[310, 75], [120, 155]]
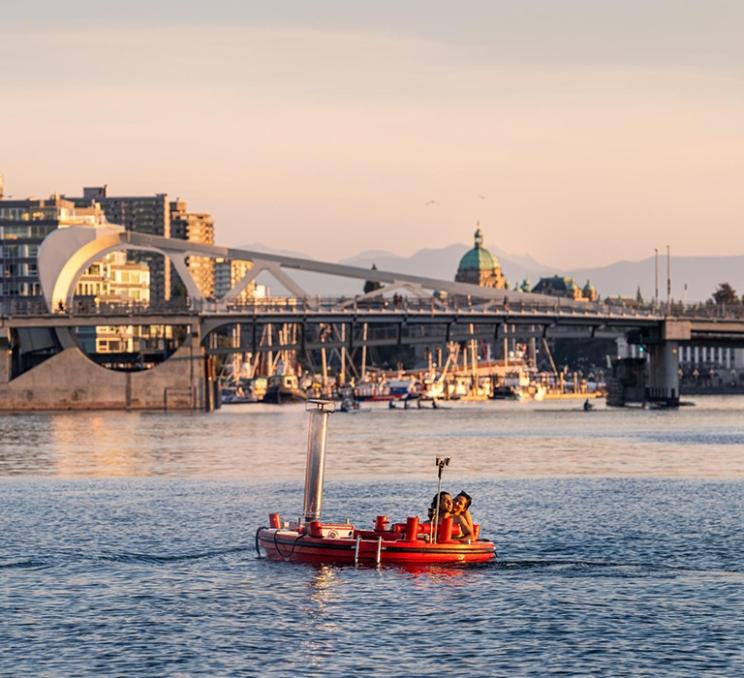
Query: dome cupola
[[479, 267]]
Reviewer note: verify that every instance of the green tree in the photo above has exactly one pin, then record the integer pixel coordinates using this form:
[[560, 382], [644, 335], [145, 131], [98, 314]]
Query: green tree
[[371, 285], [725, 294]]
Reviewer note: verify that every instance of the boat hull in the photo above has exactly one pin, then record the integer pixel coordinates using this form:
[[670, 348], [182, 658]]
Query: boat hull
[[278, 395], [298, 547]]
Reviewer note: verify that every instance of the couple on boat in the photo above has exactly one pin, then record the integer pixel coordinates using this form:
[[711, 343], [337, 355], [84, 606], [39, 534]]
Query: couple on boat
[[444, 506]]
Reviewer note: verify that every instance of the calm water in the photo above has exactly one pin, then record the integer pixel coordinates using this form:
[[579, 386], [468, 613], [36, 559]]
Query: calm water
[[126, 543]]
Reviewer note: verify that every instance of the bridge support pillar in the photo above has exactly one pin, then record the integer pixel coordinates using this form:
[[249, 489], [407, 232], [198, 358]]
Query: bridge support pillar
[[663, 373], [5, 363], [69, 380], [6, 359]]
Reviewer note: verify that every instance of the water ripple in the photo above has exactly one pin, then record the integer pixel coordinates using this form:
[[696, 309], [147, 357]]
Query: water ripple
[[619, 540]]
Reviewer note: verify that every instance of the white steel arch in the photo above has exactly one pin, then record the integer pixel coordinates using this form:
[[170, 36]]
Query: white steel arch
[[67, 252]]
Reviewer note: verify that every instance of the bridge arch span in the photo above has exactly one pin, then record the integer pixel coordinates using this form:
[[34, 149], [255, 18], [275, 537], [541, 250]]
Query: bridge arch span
[[66, 253]]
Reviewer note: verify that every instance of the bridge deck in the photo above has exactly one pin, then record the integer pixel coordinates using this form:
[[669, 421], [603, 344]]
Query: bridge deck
[[600, 319]]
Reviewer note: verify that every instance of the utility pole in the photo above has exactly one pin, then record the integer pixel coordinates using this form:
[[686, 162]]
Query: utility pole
[[506, 346], [323, 357], [364, 351], [669, 279], [656, 278], [342, 375]]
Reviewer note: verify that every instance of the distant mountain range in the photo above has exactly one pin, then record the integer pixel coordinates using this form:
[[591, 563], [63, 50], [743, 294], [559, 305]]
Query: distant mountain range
[[700, 275]]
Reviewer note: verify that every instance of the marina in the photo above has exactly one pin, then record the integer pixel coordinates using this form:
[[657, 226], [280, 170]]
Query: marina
[[514, 377]]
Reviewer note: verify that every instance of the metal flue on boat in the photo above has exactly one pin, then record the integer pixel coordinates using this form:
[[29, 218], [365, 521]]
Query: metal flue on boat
[[317, 433]]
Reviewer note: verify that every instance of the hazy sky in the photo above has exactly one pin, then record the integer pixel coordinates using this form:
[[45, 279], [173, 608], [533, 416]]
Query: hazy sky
[[579, 131]]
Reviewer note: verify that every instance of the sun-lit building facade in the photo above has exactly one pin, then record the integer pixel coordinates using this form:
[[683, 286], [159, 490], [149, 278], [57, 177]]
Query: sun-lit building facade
[[197, 227], [565, 286], [114, 280], [227, 273], [148, 214], [23, 225]]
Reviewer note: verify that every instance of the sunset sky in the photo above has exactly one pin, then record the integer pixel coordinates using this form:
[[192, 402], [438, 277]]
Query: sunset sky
[[578, 131]]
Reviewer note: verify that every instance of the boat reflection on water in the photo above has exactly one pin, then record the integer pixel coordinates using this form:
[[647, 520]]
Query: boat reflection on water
[[326, 575]]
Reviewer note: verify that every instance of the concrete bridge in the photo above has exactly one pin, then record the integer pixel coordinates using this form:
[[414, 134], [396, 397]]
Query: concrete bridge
[[432, 312]]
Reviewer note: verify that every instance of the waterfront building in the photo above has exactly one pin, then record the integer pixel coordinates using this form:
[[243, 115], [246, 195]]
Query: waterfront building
[[195, 227], [564, 286], [227, 272], [479, 267], [149, 214], [113, 280], [23, 225]]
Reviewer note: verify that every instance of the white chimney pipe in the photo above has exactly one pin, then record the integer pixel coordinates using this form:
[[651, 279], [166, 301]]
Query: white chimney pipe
[[315, 464]]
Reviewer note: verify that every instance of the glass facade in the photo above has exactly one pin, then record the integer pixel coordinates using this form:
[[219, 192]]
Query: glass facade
[[141, 214], [23, 225]]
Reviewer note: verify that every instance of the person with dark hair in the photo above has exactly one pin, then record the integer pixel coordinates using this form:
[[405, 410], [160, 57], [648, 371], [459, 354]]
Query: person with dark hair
[[441, 503], [461, 516]]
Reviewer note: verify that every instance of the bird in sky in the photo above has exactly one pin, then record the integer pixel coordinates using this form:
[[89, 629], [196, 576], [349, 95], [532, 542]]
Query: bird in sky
[[431, 202]]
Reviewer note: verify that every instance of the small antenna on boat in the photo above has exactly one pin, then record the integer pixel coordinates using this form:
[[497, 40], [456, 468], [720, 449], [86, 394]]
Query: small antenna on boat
[[441, 462]]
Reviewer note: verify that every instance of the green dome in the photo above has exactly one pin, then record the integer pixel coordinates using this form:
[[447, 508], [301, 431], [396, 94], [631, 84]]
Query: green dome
[[479, 258]]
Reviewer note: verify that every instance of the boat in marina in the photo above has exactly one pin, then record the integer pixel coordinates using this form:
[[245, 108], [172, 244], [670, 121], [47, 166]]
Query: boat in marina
[[284, 388], [348, 402], [534, 392], [372, 391], [504, 393], [247, 391], [402, 388], [387, 389], [312, 540]]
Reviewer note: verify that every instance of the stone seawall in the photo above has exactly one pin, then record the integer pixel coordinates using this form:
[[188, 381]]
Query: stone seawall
[[70, 381]]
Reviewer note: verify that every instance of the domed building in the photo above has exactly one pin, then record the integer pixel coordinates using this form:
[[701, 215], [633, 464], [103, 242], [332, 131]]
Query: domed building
[[479, 267], [590, 292], [559, 286], [564, 286]]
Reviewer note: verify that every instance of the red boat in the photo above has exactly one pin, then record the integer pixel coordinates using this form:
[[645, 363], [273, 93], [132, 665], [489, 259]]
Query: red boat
[[310, 540]]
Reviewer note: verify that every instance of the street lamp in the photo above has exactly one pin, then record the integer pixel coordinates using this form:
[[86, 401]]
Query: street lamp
[[656, 278], [669, 279]]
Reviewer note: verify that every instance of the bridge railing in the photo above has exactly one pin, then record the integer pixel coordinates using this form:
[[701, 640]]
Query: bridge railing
[[708, 310], [421, 306], [84, 307], [34, 306]]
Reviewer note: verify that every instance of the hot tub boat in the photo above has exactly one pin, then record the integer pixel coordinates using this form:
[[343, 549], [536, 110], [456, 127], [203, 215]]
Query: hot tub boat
[[311, 540]]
